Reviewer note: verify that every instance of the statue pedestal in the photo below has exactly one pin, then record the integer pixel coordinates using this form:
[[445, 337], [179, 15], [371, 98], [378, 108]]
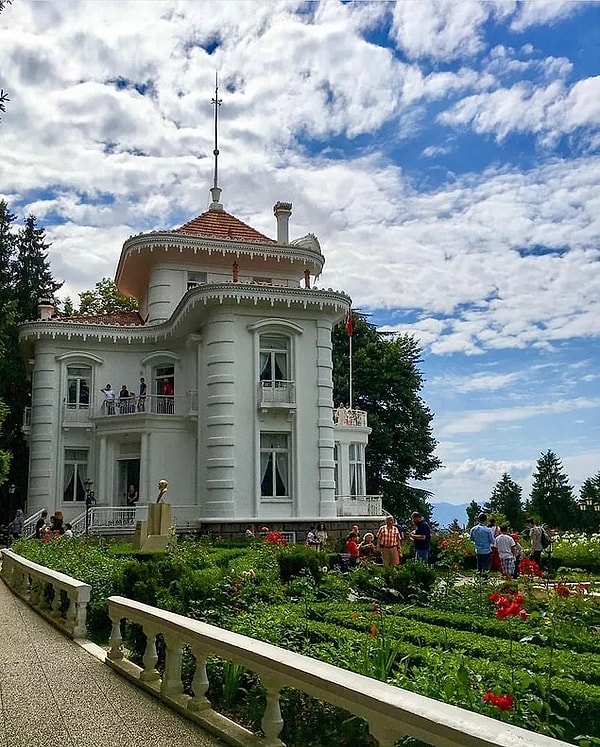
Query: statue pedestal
[[153, 534]]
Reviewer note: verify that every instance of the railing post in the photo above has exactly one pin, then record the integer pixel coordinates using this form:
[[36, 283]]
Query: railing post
[[272, 722], [115, 652], [171, 683], [149, 673], [385, 736], [200, 683]]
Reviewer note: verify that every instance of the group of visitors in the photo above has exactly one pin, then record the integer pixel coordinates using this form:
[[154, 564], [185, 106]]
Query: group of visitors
[[46, 529], [492, 542], [126, 400]]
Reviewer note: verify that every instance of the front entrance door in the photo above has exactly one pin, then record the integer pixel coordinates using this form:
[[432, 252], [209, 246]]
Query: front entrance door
[[129, 474]]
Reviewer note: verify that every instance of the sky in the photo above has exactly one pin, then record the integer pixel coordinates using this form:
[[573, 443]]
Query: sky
[[445, 154]]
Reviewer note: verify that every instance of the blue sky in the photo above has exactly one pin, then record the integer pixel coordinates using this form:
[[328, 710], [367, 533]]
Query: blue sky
[[445, 154]]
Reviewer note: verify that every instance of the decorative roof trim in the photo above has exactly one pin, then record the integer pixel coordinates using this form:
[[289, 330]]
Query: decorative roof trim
[[203, 295], [166, 240]]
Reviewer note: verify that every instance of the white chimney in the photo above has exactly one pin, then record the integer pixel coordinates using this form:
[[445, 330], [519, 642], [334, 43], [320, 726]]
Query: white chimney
[[46, 308], [282, 211]]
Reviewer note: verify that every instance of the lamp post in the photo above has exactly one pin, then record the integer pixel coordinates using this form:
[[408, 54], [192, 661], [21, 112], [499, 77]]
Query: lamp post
[[12, 489], [88, 485]]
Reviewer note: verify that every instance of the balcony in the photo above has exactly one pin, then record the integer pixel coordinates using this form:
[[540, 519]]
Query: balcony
[[153, 404], [75, 415], [276, 393], [344, 418], [359, 505]]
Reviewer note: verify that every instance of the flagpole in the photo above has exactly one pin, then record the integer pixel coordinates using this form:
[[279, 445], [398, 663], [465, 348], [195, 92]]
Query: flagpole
[[350, 349]]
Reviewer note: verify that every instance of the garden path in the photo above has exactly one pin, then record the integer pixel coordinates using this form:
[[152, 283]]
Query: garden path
[[54, 693]]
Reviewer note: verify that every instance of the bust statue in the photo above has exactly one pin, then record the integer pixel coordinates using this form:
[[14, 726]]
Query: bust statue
[[163, 486]]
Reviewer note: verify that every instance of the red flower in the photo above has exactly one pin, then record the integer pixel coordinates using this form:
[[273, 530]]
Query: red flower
[[503, 702], [529, 568], [562, 590], [276, 538], [508, 607], [443, 544]]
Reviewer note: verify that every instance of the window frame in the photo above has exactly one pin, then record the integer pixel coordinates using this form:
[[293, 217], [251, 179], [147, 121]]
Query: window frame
[[277, 456]]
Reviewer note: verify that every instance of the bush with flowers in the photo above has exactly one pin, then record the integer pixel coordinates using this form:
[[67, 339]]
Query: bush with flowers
[[577, 550], [457, 551]]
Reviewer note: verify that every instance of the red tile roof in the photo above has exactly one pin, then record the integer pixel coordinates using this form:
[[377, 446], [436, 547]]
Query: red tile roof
[[221, 225], [115, 318]]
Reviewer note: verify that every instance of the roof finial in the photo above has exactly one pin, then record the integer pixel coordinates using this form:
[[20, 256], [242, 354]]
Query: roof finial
[[216, 190]]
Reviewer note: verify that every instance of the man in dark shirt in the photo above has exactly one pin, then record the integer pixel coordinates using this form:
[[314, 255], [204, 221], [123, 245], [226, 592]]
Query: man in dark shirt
[[40, 524], [421, 536]]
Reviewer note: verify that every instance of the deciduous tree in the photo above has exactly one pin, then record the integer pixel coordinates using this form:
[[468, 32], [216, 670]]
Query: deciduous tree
[[105, 299], [387, 384]]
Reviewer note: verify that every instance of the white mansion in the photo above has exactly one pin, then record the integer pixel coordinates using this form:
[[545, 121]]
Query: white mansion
[[235, 348]]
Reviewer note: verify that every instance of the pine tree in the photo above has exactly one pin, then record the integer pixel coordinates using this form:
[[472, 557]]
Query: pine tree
[[551, 499], [473, 510], [8, 245], [33, 278], [386, 384], [506, 499]]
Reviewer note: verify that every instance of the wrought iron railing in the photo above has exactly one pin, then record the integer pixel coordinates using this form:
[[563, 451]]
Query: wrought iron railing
[[153, 404], [28, 530]]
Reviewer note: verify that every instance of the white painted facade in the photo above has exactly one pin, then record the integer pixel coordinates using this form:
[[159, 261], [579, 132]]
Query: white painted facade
[[245, 430]]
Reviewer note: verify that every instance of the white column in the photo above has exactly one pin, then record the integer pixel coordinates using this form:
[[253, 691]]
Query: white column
[[101, 488], [144, 471], [327, 506]]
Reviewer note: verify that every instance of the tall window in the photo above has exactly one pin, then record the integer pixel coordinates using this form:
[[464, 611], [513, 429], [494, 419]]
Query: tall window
[[273, 358], [196, 278], [78, 387], [274, 465], [357, 459], [164, 388], [75, 474], [336, 467]]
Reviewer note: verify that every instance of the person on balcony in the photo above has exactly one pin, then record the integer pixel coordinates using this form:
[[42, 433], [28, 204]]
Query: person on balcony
[[389, 542], [141, 403], [167, 396], [131, 496], [109, 399], [125, 400]]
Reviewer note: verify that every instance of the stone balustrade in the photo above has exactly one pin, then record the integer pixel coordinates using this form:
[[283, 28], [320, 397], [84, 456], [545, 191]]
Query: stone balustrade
[[47, 592], [390, 712]]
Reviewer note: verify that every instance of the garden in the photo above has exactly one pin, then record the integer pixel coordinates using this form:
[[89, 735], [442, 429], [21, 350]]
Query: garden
[[523, 651]]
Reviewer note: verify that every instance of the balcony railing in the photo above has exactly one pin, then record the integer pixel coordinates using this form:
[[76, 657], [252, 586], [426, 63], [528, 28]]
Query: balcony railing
[[117, 519], [350, 418], [359, 505], [277, 393], [153, 404], [76, 414]]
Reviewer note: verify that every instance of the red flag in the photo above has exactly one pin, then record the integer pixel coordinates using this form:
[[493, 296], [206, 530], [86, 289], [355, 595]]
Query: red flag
[[349, 324]]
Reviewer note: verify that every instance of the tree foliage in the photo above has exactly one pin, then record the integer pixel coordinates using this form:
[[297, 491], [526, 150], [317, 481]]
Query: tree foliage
[[551, 499], [473, 510], [386, 384], [506, 500], [589, 497], [24, 277], [103, 299]]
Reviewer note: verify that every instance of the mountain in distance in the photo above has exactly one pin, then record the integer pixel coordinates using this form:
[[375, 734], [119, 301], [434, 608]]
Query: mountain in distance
[[444, 513]]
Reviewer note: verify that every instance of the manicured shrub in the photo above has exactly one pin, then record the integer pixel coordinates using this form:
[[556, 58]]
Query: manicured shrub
[[296, 559]]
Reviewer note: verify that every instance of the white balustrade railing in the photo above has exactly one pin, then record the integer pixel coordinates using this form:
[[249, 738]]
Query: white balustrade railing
[[153, 404], [277, 392], [350, 418], [28, 530], [76, 414], [43, 589], [359, 505], [391, 713]]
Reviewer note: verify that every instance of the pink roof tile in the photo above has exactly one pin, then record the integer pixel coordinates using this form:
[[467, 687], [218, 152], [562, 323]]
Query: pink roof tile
[[115, 318], [221, 225]]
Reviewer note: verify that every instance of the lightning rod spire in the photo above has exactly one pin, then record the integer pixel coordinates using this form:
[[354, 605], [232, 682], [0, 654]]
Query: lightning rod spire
[[216, 190]]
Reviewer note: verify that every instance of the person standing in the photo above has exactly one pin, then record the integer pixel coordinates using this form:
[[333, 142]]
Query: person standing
[[321, 534], [389, 541], [421, 536], [535, 537], [483, 537], [505, 545], [352, 550], [109, 399], [15, 527], [141, 403], [131, 496], [40, 524]]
